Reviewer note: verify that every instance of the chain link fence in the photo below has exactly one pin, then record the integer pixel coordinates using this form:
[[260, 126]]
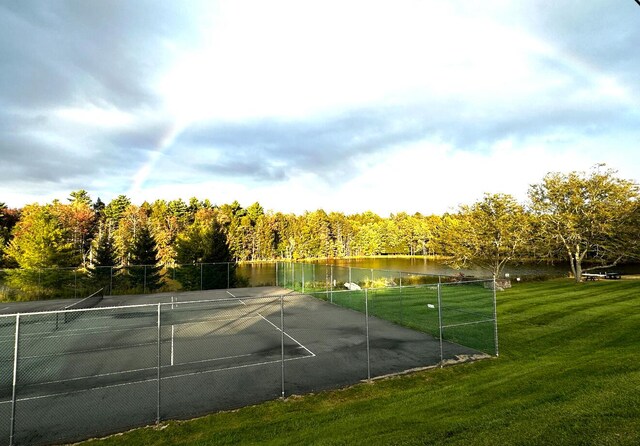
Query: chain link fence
[[465, 309], [77, 373], [64, 283]]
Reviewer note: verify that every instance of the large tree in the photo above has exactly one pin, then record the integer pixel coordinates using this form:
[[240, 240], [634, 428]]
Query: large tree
[[79, 219], [8, 219], [204, 242], [104, 258], [587, 217], [144, 271], [489, 233], [40, 240]]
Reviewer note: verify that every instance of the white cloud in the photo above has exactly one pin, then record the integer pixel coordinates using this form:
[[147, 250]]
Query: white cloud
[[94, 116], [438, 102]]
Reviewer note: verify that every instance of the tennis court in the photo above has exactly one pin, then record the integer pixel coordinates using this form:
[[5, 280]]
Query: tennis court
[[136, 360]]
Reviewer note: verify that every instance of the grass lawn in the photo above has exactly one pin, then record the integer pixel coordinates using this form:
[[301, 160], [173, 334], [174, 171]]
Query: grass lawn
[[568, 374]]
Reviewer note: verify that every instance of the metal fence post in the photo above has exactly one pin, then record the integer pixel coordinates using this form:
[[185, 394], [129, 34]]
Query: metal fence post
[[228, 275], [15, 382], [401, 302], [302, 267], [440, 321], [144, 281], [111, 282], [282, 343], [158, 367], [276, 272], [331, 288], [366, 312], [495, 316], [201, 277]]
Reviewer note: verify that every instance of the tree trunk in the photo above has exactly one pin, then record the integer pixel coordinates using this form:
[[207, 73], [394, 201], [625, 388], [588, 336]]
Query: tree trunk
[[572, 263], [578, 269]]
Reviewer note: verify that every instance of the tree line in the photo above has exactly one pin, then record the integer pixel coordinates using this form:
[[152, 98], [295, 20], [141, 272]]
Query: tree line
[[586, 218]]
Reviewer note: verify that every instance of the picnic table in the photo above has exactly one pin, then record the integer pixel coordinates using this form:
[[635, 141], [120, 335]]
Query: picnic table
[[607, 275]]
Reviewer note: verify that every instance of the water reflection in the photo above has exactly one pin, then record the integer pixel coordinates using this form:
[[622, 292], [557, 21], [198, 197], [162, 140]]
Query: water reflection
[[264, 273]]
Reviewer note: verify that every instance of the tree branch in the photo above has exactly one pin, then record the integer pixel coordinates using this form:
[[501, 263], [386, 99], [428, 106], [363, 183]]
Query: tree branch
[[611, 265]]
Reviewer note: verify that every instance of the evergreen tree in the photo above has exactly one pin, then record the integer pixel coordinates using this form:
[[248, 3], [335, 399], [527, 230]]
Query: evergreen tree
[[203, 251], [99, 206], [144, 272], [114, 210], [104, 260]]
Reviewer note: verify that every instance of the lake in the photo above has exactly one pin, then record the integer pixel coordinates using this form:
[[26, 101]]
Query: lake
[[263, 273]]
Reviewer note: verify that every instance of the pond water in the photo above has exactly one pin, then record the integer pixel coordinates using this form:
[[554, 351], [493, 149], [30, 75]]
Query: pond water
[[264, 273], [429, 266]]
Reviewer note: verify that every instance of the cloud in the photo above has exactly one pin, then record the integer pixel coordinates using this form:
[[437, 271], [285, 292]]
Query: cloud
[[315, 100], [71, 52]]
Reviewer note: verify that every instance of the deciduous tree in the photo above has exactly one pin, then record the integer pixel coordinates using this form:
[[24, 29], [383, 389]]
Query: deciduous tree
[[587, 217], [40, 240], [489, 233]]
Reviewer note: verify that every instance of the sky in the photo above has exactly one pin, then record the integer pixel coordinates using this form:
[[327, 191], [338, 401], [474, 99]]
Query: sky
[[349, 106]]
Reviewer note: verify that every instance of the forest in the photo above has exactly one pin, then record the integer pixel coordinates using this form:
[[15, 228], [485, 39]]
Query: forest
[[589, 219]]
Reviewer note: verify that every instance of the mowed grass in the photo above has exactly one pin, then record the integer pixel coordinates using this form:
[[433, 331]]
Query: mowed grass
[[568, 374], [467, 310]]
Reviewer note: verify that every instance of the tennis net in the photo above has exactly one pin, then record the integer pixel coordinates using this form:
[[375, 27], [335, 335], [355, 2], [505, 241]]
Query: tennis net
[[88, 302]]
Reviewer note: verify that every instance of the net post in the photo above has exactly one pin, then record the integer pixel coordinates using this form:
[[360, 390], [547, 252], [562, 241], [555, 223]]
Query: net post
[[440, 321], [282, 345], [15, 382], [366, 312], [158, 370], [495, 317]]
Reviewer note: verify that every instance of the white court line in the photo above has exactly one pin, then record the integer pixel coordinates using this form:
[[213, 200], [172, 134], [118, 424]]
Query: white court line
[[101, 349], [276, 327], [120, 347], [311, 354], [106, 329], [124, 372], [72, 333], [111, 386], [75, 331]]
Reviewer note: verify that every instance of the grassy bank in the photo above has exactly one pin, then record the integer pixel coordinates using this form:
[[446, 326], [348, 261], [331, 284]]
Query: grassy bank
[[568, 374]]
